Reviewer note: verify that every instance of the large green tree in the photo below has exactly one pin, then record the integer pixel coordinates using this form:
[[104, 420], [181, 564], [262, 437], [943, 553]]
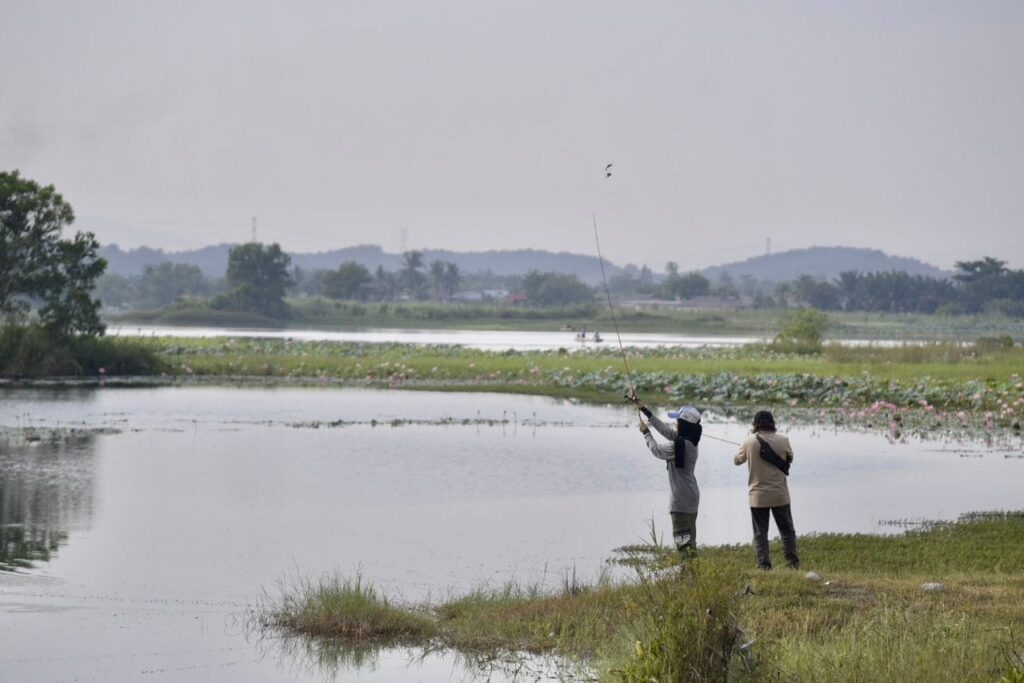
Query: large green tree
[[257, 277], [167, 282], [38, 267], [555, 289], [350, 281], [687, 286]]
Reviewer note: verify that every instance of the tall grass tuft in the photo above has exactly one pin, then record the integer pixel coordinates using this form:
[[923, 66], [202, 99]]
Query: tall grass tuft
[[346, 607], [685, 625]]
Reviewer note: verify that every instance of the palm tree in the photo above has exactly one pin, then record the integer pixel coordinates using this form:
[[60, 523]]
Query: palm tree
[[412, 279], [849, 285], [437, 279], [452, 279]]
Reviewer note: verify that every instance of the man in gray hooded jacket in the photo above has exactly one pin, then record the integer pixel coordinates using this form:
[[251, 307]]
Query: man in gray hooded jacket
[[680, 455]]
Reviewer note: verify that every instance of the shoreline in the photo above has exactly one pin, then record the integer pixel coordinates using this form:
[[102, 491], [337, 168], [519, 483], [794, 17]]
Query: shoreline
[[941, 602]]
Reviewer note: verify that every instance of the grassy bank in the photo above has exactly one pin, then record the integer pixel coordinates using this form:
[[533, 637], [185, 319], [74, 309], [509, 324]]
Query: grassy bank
[[717, 619], [938, 376], [31, 351], [324, 313]]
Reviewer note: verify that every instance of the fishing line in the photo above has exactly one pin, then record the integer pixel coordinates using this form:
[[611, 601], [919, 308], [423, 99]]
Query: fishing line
[[615, 321], [718, 438]]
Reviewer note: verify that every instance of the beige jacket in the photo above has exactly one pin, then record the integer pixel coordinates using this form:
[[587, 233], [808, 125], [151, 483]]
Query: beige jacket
[[767, 482]]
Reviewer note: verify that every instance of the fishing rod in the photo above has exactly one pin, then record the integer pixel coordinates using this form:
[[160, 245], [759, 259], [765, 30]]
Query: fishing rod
[[611, 307], [632, 396]]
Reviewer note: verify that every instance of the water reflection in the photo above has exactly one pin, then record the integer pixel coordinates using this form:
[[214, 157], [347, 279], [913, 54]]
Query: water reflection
[[334, 659], [46, 489]]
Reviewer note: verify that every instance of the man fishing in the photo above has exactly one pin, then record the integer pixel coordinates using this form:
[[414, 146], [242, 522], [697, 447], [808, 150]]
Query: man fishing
[[768, 456], [680, 455]]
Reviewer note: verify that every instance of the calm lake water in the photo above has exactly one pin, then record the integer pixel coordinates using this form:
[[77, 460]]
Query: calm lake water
[[168, 511]]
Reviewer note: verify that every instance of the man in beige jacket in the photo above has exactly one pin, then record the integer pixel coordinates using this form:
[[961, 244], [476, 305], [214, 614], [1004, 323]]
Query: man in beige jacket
[[768, 456]]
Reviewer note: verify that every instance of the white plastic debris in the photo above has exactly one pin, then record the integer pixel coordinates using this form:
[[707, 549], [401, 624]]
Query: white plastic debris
[[812, 576], [931, 587]]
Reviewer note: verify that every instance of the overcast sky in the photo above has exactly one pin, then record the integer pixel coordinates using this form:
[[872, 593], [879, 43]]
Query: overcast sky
[[478, 125]]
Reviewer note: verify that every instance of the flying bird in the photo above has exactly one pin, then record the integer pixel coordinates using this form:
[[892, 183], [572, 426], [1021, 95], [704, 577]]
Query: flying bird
[[608, 171]]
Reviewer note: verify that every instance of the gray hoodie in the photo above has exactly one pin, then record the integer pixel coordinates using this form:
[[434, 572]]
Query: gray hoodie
[[685, 493]]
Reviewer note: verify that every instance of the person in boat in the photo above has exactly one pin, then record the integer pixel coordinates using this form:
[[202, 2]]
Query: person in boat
[[597, 337], [680, 456], [768, 456]]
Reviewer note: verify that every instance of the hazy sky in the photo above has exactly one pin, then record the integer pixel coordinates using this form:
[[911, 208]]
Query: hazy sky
[[476, 125]]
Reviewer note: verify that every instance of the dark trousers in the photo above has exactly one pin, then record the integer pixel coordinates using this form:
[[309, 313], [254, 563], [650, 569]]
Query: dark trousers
[[784, 520], [684, 532]]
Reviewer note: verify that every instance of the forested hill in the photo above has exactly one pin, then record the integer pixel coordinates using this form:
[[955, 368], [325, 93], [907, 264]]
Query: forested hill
[[213, 260], [821, 262]]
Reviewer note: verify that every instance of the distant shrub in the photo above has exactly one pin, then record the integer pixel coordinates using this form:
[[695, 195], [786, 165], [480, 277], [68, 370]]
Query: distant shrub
[[801, 331]]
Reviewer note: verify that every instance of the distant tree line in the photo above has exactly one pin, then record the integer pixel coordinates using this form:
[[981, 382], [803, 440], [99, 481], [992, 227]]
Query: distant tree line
[[259, 277], [983, 286]]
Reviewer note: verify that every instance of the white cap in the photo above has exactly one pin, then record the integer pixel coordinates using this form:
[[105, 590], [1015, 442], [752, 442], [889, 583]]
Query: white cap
[[688, 413]]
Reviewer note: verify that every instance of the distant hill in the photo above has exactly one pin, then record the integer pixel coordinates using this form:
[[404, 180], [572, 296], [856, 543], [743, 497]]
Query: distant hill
[[821, 262], [213, 260]]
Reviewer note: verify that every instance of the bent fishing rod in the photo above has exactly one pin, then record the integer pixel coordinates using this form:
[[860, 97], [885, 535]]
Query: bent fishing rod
[[611, 308], [632, 395]]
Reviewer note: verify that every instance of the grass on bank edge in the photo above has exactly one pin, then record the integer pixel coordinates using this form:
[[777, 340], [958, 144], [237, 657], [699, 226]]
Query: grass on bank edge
[[717, 619], [31, 351]]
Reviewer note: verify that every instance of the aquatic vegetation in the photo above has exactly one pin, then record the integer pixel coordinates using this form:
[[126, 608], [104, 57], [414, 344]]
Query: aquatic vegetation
[[345, 607]]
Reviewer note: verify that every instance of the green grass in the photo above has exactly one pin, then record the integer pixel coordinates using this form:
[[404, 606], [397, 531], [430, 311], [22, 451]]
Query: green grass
[[346, 607], [234, 356], [718, 619]]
